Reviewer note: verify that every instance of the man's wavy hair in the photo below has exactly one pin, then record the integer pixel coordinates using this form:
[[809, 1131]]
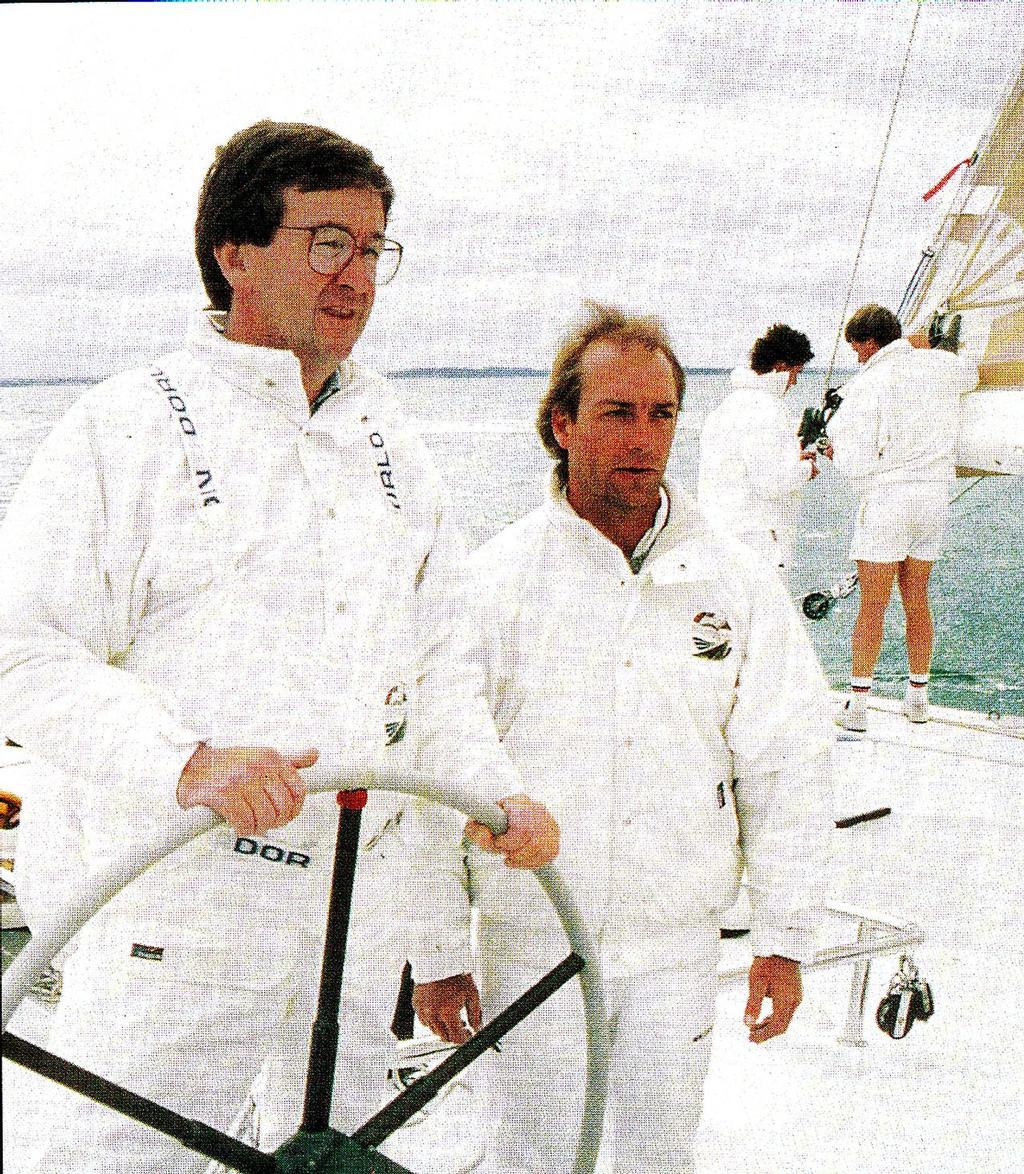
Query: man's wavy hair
[[780, 344], [565, 381], [873, 323], [242, 199]]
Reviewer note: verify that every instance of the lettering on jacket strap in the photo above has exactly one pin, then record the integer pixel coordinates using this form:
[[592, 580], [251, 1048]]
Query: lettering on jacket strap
[[199, 471], [384, 469]]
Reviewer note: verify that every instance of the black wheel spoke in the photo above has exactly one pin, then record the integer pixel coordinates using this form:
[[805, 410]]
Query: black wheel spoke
[[194, 1135], [323, 1049]]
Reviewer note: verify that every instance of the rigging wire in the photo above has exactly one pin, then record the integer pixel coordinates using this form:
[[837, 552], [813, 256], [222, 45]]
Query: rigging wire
[[874, 191]]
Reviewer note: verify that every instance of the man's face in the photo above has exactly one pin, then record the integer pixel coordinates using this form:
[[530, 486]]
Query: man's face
[[792, 370], [864, 350], [619, 443], [282, 302]]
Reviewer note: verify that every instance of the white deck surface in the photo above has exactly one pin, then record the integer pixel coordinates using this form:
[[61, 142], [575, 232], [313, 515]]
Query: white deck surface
[[945, 1099]]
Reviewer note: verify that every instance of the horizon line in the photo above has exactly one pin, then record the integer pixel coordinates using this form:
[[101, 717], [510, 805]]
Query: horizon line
[[489, 372]]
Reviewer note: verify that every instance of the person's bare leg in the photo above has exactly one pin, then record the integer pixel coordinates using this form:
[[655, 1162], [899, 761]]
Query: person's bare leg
[[913, 584], [876, 581], [913, 578]]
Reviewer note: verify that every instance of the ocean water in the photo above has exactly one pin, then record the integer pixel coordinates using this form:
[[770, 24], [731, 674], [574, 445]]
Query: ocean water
[[480, 430]]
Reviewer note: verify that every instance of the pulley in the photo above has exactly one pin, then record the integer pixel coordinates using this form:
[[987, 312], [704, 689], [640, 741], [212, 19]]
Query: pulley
[[908, 1000]]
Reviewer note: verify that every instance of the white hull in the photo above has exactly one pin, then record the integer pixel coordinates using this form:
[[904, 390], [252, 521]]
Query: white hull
[[947, 1098], [992, 431]]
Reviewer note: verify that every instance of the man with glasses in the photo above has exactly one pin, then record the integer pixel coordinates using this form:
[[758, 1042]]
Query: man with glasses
[[258, 565]]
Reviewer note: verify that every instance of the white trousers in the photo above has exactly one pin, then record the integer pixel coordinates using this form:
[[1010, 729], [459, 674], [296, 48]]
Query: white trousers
[[660, 1026], [365, 1047], [184, 1007]]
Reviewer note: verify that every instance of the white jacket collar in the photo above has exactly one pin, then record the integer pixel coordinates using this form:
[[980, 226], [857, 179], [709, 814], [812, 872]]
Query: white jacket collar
[[889, 351], [680, 552], [683, 551], [266, 372], [774, 382]]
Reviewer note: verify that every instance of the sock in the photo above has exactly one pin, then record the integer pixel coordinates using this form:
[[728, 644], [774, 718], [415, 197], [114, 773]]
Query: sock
[[918, 680], [857, 706]]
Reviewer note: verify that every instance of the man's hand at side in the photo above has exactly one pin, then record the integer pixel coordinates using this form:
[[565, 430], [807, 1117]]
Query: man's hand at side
[[777, 979], [532, 837], [253, 788], [439, 1006]]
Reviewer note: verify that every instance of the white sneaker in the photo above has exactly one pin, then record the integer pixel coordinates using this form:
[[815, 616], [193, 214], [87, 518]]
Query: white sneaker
[[446, 1135], [915, 705], [853, 716]]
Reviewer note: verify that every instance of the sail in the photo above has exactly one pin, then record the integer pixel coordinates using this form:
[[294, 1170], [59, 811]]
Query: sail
[[970, 289], [978, 266]]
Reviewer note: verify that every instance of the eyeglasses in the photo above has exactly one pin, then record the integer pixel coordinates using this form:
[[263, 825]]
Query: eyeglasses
[[331, 247]]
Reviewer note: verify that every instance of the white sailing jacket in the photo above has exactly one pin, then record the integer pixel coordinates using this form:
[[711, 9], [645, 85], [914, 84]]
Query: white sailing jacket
[[136, 621], [675, 722], [899, 417], [750, 472]]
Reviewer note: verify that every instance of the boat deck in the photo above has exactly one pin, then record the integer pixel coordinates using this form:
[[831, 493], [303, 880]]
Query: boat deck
[[944, 1100], [947, 1097]]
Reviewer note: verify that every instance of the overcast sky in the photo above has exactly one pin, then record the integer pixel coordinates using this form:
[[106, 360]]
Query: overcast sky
[[708, 161]]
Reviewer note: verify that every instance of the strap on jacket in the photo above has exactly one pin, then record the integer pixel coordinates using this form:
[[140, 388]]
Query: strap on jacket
[[205, 485]]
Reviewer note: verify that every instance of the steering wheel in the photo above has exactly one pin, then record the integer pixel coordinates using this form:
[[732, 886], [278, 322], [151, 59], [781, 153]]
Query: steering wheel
[[335, 1153]]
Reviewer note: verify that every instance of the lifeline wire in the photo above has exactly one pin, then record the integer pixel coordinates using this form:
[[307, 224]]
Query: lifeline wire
[[976, 481]]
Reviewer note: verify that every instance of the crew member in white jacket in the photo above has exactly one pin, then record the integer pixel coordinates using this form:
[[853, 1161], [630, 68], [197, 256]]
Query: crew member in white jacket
[[256, 563], [894, 437], [652, 678], [752, 468]]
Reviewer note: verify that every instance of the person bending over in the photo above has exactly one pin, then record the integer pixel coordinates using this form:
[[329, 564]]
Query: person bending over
[[752, 469]]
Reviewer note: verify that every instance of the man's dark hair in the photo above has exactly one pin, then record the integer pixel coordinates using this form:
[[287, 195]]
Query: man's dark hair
[[242, 197], [566, 380], [780, 344], [873, 323]]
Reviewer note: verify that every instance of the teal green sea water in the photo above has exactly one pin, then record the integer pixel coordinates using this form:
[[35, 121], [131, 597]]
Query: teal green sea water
[[480, 430]]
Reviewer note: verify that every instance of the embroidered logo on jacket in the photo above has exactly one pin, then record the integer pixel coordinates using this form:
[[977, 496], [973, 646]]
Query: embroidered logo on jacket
[[712, 636], [395, 715]]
